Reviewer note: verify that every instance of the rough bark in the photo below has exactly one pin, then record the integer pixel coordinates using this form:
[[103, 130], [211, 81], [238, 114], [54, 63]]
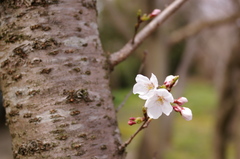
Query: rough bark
[[54, 79]]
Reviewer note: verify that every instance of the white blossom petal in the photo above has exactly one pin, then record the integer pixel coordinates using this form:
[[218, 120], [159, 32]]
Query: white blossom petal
[[167, 108], [145, 86], [147, 95], [169, 98], [167, 95], [152, 101], [141, 78], [154, 80], [160, 102], [144, 97], [154, 112], [140, 88]]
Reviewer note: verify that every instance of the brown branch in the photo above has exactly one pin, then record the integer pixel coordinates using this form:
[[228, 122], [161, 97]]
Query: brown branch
[[123, 53], [195, 28]]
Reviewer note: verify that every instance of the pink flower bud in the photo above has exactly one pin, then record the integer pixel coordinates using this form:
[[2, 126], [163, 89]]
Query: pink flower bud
[[154, 13], [171, 81], [132, 118], [180, 101], [130, 122], [186, 113]]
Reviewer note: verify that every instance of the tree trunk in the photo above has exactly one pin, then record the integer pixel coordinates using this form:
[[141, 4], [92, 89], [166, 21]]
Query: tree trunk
[[54, 79], [227, 125]]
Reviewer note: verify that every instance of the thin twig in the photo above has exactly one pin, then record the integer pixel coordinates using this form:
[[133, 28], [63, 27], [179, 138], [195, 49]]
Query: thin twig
[[124, 101], [123, 53], [137, 25], [143, 126]]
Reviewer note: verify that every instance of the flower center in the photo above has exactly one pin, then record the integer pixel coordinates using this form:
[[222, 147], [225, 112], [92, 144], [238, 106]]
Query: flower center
[[160, 99], [150, 86]]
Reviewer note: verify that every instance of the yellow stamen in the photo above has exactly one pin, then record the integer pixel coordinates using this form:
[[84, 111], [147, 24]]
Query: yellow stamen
[[160, 99], [150, 86]]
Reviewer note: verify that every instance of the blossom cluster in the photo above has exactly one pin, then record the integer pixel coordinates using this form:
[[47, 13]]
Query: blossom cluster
[[159, 100]]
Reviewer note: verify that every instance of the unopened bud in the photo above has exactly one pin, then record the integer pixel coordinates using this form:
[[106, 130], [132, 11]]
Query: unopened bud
[[154, 13], [180, 101], [132, 118], [186, 113], [139, 12], [130, 122], [171, 81]]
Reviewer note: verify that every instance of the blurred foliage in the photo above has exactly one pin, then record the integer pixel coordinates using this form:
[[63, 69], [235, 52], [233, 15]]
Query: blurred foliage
[[124, 73], [110, 36], [176, 53]]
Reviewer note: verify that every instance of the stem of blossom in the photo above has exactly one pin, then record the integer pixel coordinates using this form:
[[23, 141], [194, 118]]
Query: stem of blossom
[[143, 126]]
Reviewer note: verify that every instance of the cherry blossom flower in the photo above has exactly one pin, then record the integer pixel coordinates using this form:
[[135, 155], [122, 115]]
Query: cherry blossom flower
[[158, 103], [145, 86], [186, 113]]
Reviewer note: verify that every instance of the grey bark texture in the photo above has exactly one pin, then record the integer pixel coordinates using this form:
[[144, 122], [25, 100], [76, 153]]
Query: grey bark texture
[[54, 79]]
